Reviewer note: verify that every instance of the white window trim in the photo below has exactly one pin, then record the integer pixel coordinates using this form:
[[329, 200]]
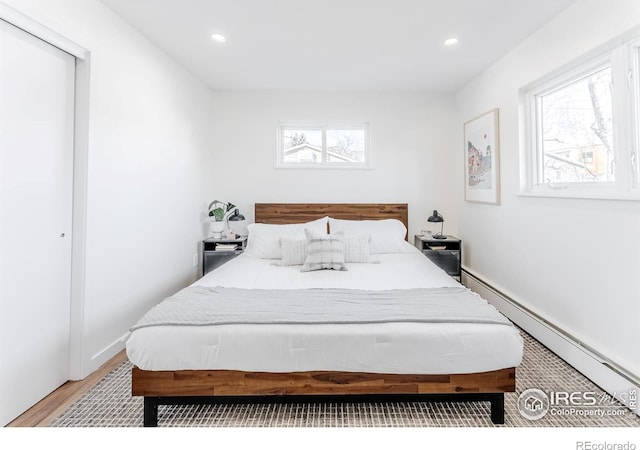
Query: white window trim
[[623, 55], [321, 126]]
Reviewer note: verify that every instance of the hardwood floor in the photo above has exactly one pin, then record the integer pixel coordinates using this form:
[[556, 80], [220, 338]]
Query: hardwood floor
[[47, 409]]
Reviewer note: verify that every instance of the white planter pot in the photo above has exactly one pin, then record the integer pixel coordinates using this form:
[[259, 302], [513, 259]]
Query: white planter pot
[[216, 228]]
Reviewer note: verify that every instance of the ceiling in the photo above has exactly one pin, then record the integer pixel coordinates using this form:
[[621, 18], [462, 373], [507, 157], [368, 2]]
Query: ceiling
[[355, 45]]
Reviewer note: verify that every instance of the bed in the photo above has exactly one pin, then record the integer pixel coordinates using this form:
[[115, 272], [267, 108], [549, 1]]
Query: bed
[[280, 329]]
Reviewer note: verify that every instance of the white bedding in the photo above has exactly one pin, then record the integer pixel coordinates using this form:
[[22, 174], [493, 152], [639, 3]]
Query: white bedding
[[412, 348]]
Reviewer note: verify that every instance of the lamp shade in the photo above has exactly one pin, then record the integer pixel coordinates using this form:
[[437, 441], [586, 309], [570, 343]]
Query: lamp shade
[[436, 217]]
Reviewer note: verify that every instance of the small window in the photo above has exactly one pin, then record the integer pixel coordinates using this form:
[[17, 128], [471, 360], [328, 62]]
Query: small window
[[582, 126], [576, 124], [323, 146]]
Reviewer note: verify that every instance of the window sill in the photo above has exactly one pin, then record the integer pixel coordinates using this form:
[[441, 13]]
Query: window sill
[[323, 166], [582, 195]]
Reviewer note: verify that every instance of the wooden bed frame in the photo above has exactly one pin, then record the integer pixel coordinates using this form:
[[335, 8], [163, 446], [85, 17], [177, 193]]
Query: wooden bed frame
[[229, 386]]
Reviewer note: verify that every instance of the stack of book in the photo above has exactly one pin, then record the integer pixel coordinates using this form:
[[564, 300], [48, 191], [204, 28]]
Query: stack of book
[[226, 247]]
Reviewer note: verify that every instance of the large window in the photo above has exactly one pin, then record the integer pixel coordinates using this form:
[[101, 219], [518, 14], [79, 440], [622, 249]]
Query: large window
[[582, 128], [323, 146]]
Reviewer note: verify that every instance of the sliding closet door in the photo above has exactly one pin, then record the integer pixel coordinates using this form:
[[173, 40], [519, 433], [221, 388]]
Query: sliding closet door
[[36, 181]]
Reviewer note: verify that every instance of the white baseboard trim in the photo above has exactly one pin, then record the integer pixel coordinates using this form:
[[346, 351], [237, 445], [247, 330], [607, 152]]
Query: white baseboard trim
[[620, 385], [108, 352]]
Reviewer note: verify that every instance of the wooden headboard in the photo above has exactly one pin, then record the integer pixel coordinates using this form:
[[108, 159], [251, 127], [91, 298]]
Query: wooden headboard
[[282, 213]]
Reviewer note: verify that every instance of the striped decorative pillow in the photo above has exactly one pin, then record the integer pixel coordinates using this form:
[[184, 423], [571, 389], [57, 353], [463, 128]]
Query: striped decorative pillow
[[324, 251]]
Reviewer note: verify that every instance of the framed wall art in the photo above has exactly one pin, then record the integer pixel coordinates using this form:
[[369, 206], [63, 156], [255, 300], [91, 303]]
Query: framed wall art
[[482, 159]]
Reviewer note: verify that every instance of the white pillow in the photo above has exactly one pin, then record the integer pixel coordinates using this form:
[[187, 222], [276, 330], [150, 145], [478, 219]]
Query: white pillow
[[324, 251], [385, 235], [356, 249], [264, 239], [294, 251]]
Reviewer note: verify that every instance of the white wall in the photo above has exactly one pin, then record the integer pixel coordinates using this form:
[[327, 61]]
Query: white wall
[[148, 153], [412, 137], [579, 268]]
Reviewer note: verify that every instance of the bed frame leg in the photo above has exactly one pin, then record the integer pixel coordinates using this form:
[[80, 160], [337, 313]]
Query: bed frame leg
[[497, 409], [150, 412]]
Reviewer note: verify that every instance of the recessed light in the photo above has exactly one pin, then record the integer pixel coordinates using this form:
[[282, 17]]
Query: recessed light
[[451, 42], [218, 38]]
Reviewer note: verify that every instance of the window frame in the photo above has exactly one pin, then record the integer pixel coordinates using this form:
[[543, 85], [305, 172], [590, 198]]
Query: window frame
[[622, 54], [324, 128]]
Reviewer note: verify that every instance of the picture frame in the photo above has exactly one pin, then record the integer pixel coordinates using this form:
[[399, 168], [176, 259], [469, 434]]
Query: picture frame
[[482, 159]]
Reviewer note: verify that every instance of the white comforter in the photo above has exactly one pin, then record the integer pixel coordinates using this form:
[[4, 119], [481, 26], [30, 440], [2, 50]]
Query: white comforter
[[416, 348]]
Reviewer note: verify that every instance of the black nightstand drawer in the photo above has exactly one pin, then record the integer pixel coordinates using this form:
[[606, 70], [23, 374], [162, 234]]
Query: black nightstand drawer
[[447, 260], [214, 259], [215, 252], [445, 253]]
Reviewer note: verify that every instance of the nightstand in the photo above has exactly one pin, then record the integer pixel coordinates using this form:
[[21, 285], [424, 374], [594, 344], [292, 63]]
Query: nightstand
[[445, 253], [216, 252]]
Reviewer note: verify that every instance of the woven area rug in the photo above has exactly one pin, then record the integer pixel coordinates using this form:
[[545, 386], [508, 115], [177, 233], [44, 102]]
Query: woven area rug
[[110, 404]]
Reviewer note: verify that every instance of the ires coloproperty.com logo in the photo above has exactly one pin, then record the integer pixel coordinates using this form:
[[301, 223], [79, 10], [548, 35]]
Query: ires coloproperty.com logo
[[534, 404]]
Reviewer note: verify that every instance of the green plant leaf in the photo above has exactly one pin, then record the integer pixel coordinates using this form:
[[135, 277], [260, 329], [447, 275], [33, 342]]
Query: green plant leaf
[[218, 209]]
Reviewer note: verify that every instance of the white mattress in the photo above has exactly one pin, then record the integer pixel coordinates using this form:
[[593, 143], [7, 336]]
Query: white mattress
[[409, 348]]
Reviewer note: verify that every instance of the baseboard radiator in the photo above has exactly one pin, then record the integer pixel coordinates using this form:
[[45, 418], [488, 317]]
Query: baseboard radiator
[[615, 380]]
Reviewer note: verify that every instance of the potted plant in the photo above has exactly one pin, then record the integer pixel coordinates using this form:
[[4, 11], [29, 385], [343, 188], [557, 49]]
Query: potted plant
[[217, 212]]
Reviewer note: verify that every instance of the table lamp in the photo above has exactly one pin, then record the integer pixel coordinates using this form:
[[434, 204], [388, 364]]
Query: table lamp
[[437, 217], [237, 223]]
